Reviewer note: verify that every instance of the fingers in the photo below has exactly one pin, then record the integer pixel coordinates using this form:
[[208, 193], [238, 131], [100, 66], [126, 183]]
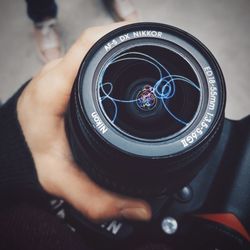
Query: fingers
[[76, 53], [96, 203], [56, 78], [51, 65], [70, 64]]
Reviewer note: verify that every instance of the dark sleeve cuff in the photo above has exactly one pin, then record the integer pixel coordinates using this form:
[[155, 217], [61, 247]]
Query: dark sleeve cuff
[[17, 169]]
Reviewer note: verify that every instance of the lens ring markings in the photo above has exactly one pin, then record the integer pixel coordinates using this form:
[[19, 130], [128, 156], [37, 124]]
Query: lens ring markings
[[192, 50]]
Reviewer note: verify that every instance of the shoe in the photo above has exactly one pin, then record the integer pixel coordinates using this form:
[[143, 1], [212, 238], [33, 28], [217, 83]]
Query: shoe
[[48, 40], [121, 10]]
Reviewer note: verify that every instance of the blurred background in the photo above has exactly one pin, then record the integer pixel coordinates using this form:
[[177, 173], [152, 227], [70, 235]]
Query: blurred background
[[222, 25]]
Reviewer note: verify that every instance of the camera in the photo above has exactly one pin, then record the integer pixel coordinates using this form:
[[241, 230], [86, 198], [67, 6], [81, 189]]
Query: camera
[[146, 119]]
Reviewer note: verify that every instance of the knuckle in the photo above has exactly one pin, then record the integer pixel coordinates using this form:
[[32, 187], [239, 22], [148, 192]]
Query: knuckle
[[87, 32], [85, 35], [89, 36], [48, 66]]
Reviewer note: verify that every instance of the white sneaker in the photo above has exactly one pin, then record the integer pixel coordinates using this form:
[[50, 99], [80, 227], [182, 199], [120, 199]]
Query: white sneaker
[[48, 40], [121, 10]]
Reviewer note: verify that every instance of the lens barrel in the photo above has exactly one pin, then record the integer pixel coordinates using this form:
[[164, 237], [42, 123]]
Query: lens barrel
[[146, 108]]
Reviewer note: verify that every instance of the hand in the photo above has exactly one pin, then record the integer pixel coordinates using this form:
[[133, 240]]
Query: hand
[[41, 109]]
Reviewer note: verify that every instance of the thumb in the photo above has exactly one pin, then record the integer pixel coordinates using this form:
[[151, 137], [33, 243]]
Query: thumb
[[96, 203]]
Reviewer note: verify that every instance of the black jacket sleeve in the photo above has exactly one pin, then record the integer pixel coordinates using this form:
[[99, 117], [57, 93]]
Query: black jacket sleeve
[[17, 170], [24, 224]]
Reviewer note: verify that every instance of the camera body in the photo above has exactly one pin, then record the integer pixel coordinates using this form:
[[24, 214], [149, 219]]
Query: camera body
[[211, 212], [146, 119]]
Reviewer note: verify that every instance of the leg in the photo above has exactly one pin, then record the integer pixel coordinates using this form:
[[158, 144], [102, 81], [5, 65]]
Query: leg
[[39, 11], [43, 13]]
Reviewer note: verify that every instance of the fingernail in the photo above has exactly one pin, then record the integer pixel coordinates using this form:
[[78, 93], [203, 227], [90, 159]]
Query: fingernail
[[136, 213]]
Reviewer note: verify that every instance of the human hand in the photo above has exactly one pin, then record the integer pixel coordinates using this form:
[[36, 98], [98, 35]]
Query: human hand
[[41, 108]]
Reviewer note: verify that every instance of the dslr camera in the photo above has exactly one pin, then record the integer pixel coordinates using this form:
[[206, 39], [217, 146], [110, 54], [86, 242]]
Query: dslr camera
[[146, 119]]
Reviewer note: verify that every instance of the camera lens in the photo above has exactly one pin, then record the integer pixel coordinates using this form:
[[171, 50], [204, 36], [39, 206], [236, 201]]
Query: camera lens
[[142, 98], [146, 109]]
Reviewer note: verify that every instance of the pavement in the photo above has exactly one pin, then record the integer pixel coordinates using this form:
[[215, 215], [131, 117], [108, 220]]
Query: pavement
[[222, 25]]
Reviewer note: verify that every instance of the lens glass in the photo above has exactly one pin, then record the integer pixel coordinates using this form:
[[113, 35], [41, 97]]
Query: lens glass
[[148, 92]]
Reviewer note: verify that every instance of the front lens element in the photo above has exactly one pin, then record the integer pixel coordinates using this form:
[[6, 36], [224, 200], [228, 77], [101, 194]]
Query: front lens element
[[148, 92]]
